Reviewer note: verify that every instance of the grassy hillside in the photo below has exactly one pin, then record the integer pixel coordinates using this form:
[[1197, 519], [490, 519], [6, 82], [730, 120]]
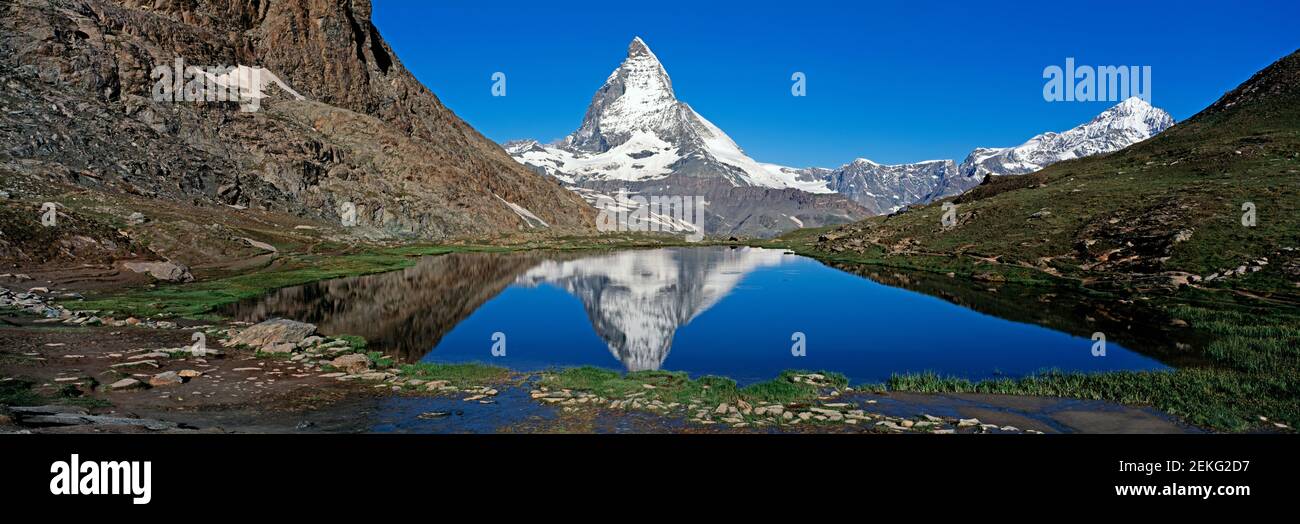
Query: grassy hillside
[[1170, 204]]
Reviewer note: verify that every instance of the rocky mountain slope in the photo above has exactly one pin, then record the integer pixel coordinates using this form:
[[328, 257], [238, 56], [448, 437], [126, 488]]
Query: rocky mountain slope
[[1211, 201], [637, 135], [884, 189], [79, 112]]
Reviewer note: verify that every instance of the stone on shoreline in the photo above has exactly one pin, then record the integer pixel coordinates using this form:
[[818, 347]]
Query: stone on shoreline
[[166, 378], [269, 336], [353, 364]]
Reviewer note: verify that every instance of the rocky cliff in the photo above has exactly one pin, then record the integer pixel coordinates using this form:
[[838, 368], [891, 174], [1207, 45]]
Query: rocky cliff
[[80, 108]]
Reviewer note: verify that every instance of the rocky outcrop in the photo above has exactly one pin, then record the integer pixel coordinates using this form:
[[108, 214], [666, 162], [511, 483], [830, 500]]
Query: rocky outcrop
[[78, 108]]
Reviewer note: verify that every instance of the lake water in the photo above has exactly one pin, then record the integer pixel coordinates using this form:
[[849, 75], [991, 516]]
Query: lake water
[[738, 312]]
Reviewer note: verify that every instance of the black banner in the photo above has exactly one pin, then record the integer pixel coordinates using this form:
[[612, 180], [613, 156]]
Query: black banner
[[188, 471]]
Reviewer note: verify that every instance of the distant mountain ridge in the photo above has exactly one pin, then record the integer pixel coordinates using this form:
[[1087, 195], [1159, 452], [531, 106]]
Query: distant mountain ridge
[[1123, 125], [885, 188]]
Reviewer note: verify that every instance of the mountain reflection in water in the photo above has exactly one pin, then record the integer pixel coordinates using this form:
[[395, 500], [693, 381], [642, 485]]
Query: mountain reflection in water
[[639, 303]]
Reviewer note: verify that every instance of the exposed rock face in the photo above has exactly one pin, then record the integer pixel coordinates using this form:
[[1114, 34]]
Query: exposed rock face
[[78, 108], [883, 189]]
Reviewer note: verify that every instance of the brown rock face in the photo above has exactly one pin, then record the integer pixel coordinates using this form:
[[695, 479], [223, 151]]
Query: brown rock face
[[78, 108]]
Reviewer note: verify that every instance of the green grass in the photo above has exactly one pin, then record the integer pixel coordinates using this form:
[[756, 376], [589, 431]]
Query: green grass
[[200, 299], [459, 375], [380, 360], [1253, 372], [357, 342], [670, 386], [18, 392]]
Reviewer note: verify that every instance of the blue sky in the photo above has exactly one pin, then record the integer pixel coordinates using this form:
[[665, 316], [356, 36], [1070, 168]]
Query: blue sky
[[894, 81]]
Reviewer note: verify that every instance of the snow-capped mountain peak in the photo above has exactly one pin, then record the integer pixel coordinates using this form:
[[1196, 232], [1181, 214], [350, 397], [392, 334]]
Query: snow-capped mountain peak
[[638, 95], [636, 130]]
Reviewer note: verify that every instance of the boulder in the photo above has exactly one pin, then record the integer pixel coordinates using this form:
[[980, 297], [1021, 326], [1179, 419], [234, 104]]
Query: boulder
[[354, 363], [166, 378], [165, 270], [272, 332], [310, 341], [261, 245]]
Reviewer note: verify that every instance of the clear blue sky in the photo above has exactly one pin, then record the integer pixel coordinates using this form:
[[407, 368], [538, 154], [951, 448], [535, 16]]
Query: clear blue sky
[[894, 81]]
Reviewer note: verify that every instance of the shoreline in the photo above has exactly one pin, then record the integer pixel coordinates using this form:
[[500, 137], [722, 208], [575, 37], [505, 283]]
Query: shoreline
[[250, 391]]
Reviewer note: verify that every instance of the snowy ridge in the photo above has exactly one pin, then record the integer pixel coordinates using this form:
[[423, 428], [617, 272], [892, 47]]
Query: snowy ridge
[[883, 189], [887, 188], [1123, 125]]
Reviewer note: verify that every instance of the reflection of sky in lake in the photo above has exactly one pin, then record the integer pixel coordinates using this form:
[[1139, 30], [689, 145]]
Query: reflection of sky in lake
[[732, 312]]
